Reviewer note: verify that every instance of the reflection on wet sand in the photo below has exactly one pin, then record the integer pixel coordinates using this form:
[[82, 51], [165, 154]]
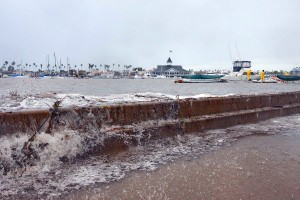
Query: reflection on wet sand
[[255, 167]]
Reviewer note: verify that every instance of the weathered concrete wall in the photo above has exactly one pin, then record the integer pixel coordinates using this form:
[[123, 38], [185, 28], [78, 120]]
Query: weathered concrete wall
[[160, 118]]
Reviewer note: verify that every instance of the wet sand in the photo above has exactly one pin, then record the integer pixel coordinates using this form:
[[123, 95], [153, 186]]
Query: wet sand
[[255, 167]]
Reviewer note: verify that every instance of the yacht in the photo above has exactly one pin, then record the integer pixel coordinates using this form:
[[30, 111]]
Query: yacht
[[239, 72]]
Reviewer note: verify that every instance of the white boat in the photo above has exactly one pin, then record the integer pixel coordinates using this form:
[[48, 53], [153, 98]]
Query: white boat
[[160, 76], [265, 81], [199, 80], [240, 76], [138, 77], [239, 73]]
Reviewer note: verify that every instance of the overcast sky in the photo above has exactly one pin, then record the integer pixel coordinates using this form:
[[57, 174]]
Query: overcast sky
[[141, 32]]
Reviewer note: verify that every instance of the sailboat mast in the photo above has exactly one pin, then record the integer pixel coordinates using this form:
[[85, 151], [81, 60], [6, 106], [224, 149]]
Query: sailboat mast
[[238, 51], [230, 53]]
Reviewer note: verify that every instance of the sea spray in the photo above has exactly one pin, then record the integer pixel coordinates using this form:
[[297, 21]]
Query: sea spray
[[42, 101], [67, 158]]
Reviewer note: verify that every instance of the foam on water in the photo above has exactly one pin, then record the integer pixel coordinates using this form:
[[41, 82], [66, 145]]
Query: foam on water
[[15, 102], [51, 176]]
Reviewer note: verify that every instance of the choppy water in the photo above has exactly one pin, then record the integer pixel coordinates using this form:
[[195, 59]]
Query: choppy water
[[49, 177], [65, 163], [30, 93], [104, 87]]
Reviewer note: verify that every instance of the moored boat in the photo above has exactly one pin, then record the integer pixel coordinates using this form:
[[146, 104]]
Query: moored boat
[[269, 80], [239, 73], [204, 76], [201, 78], [288, 78]]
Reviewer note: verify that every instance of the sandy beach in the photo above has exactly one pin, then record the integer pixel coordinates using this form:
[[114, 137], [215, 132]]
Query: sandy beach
[[254, 167]]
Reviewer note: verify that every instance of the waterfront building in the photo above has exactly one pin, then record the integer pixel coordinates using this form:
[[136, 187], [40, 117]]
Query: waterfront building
[[170, 70], [295, 71], [73, 72]]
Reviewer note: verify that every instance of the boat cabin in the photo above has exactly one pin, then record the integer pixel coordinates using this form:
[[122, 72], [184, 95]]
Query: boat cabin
[[238, 65]]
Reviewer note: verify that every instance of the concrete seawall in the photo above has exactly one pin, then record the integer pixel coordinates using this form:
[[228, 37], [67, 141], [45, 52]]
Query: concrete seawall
[[156, 119]]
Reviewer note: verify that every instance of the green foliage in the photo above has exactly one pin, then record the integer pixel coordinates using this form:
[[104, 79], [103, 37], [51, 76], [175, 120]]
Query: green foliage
[[11, 69]]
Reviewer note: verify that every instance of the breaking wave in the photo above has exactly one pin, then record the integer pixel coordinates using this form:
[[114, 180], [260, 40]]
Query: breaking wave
[[17, 102], [69, 159]]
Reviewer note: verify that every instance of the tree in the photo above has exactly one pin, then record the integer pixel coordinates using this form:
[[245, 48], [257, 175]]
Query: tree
[[4, 65], [91, 67], [127, 66], [11, 68], [107, 67], [34, 65]]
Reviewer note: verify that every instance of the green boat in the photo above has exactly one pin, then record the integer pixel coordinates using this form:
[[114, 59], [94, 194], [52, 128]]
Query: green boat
[[288, 78], [203, 76]]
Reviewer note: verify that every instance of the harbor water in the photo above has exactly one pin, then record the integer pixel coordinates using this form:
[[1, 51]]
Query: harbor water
[[31, 93], [66, 166], [104, 87]]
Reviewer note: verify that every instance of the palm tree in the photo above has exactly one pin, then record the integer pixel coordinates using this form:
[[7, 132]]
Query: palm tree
[[107, 67], [35, 65], [11, 67], [91, 67], [5, 65]]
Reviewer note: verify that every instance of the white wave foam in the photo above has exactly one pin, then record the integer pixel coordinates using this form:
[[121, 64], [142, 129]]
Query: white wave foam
[[44, 101], [51, 177]]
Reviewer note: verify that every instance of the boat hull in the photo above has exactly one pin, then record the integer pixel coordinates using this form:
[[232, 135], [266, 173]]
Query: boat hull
[[199, 80], [240, 77], [203, 76], [288, 78], [265, 81]]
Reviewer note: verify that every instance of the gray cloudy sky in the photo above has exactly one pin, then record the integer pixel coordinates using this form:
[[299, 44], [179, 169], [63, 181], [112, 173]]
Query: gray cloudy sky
[[141, 33]]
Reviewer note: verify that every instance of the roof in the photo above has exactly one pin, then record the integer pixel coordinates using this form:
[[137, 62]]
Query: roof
[[169, 60], [297, 69], [163, 68]]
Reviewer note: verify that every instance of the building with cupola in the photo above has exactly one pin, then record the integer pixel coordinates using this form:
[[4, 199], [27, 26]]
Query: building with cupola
[[170, 70]]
